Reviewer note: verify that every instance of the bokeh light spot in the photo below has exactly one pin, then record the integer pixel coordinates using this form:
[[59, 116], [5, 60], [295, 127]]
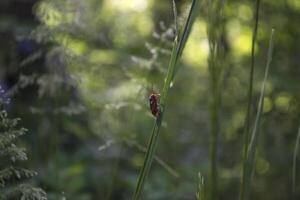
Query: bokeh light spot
[[245, 12], [197, 49], [268, 105], [282, 101]]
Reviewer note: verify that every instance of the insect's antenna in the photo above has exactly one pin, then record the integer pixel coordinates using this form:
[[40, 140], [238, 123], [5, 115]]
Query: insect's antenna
[[145, 89], [152, 88]]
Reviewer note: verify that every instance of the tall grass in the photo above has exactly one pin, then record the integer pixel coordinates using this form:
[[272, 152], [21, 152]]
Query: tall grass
[[200, 194], [178, 46], [249, 163], [214, 32], [248, 118], [294, 172]]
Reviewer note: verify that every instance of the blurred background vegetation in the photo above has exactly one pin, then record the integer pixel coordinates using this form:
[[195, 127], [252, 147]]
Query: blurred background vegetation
[[79, 74]]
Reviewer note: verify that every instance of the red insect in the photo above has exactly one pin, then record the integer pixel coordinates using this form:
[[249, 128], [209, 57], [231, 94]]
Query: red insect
[[154, 104]]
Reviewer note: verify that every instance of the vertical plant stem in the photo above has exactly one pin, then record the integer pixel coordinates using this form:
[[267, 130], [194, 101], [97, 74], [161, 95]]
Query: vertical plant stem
[[215, 30], [148, 160], [214, 109], [248, 118], [294, 172], [248, 168], [213, 146], [176, 52], [200, 194]]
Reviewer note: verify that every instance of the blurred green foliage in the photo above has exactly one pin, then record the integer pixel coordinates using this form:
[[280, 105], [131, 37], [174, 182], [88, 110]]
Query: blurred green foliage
[[79, 74]]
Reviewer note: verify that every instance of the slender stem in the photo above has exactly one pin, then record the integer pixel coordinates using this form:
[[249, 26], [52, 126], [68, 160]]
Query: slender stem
[[148, 160], [176, 52], [215, 31], [160, 161], [248, 169], [213, 147], [248, 118], [294, 173]]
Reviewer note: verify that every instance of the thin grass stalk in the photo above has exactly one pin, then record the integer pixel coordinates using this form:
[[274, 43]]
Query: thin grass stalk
[[248, 118], [215, 121], [182, 39], [161, 162], [250, 161], [215, 29], [294, 172], [200, 194], [178, 47]]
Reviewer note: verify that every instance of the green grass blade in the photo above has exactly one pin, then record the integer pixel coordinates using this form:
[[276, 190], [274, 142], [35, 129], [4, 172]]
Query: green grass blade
[[248, 118], [176, 52], [294, 172], [215, 30], [250, 159], [161, 162], [184, 36], [200, 194], [175, 17]]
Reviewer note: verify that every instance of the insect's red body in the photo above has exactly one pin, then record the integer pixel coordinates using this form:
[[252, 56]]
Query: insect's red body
[[154, 104]]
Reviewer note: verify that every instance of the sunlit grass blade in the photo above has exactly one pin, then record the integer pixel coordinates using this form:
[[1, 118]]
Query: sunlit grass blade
[[250, 159], [175, 17], [178, 46], [200, 194], [294, 172], [183, 36]]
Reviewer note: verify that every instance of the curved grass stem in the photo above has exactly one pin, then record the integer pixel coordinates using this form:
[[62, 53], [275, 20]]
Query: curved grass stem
[[248, 168], [178, 47], [294, 172]]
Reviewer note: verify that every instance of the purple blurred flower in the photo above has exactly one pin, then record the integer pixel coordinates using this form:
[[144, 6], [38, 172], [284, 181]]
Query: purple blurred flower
[[4, 99]]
